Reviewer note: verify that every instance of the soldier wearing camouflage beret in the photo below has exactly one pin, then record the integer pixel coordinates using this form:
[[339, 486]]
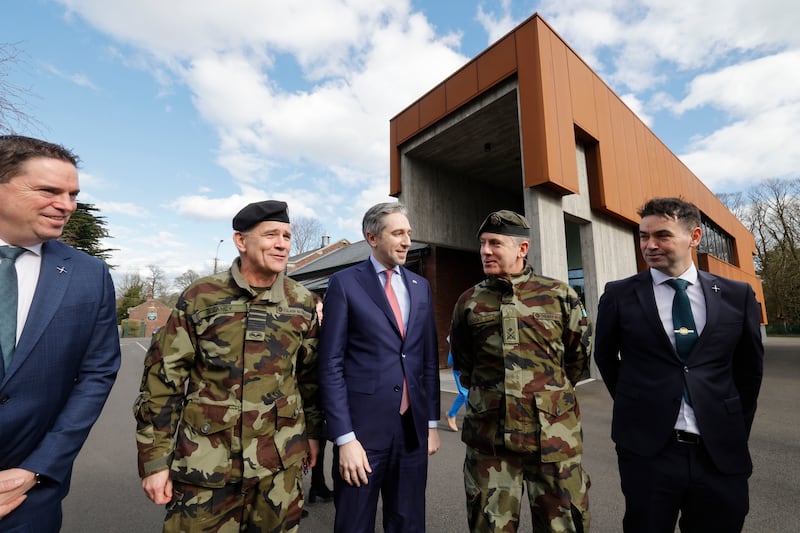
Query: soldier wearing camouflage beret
[[229, 391], [521, 342]]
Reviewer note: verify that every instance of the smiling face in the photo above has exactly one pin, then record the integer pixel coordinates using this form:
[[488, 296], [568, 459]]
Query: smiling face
[[36, 203], [667, 244], [264, 250], [502, 255], [390, 246]]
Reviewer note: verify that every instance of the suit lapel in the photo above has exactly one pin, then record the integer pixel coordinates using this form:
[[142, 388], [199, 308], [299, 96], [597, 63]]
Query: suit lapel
[[370, 282], [412, 287], [712, 297], [647, 301], [54, 278]]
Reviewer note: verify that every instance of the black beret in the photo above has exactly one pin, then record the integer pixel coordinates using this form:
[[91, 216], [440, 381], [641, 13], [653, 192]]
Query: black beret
[[257, 212], [505, 223]]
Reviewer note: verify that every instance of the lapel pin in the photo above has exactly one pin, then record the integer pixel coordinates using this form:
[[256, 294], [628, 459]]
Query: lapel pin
[[413, 282], [715, 288], [61, 270]]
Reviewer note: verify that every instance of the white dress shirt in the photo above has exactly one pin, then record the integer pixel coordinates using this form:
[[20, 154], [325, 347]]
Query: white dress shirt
[[664, 295]]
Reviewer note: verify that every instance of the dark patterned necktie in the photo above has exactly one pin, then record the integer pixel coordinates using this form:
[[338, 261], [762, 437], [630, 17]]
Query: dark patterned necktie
[[683, 323], [8, 301]]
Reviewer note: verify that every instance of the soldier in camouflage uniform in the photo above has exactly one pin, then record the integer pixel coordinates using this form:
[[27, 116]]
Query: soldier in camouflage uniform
[[521, 342], [229, 391]]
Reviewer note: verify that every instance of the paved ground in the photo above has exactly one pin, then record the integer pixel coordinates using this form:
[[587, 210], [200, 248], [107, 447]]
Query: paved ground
[[106, 496]]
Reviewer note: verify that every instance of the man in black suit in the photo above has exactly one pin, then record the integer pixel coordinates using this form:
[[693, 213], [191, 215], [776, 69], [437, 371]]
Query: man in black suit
[[684, 392]]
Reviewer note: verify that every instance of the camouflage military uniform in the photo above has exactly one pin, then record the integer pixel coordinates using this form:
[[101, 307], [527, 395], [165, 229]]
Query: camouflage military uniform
[[520, 345], [228, 393]]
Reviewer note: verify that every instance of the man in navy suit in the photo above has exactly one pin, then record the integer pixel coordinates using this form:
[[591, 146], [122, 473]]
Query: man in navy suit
[[379, 377], [54, 382], [682, 415]]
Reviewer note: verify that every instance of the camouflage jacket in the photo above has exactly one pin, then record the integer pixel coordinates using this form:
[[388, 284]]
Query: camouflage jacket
[[230, 383], [520, 345]]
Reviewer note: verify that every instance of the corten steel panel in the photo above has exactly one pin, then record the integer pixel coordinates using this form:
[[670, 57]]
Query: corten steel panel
[[531, 106], [625, 145], [582, 90], [562, 172], [567, 173], [605, 196], [432, 107], [407, 123], [642, 162], [637, 184], [461, 86], [497, 63]]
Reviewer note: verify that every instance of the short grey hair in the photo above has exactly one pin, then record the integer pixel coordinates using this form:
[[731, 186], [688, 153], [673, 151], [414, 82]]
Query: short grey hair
[[373, 218]]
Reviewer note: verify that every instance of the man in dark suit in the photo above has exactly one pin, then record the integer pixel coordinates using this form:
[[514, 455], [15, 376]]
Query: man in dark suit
[[59, 365], [379, 376], [684, 392]]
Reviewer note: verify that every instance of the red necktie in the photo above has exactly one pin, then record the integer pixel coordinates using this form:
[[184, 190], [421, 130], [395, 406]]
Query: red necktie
[[398, 316]]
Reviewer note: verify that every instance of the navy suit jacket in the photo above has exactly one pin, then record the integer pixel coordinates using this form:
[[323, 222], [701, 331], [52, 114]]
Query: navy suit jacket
[[723, 372], [62, 370], [363, 357]]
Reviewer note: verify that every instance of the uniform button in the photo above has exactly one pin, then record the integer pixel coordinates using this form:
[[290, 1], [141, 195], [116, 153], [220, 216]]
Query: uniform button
[[205, 428], [397, 388]]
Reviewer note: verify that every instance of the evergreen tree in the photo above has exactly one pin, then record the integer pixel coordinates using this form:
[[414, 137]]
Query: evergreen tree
[[85, 230]]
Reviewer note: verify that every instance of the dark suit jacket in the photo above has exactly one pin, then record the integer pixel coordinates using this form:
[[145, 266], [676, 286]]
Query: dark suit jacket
[[63, 368], [723, 372], [362, 357]]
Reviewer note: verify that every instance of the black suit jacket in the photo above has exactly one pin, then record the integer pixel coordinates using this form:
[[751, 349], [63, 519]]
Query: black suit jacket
[[723, 372]]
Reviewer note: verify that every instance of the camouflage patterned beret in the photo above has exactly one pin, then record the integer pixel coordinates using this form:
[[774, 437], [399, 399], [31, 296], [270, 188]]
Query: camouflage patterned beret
[[505, 223], [257, 212]]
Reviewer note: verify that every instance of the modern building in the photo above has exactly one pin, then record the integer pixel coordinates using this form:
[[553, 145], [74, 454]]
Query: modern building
[[528, 126]]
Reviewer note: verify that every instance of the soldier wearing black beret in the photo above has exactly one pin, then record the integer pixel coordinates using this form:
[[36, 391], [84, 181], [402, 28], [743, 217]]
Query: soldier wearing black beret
[[229, 412]]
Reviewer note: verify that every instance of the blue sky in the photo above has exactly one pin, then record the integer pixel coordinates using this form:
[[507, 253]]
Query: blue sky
[[184, 111]]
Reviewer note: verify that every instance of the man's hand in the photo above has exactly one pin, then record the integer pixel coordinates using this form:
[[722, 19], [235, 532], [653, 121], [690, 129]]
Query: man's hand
[[158, 487], [353, 463], [313, 453], [433, 441], [14, 483]]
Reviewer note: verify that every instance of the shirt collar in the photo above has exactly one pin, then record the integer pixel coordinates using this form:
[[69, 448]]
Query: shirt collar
[[35, 248], [690, 275], [379, 268]]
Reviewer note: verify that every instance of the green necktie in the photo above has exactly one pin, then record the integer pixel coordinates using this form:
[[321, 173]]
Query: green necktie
[[8, 301], [683, 323]]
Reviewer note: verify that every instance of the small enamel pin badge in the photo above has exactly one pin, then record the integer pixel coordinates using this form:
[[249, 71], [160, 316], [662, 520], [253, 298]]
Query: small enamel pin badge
[[715, 288], [61, 270]]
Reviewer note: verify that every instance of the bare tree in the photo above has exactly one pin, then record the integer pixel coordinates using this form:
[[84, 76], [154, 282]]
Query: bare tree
[[155, 283], [771, 211], [12, 96], [307, 233], [186, 279]]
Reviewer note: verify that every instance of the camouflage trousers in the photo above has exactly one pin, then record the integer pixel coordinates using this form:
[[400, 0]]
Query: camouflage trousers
[[494, 485], [271, 505]]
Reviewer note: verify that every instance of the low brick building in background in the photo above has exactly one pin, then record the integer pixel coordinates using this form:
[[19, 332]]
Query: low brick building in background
[[152, 312]]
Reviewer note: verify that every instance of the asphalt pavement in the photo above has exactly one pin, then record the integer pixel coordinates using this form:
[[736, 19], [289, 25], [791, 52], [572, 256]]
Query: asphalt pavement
[[106, 495]]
